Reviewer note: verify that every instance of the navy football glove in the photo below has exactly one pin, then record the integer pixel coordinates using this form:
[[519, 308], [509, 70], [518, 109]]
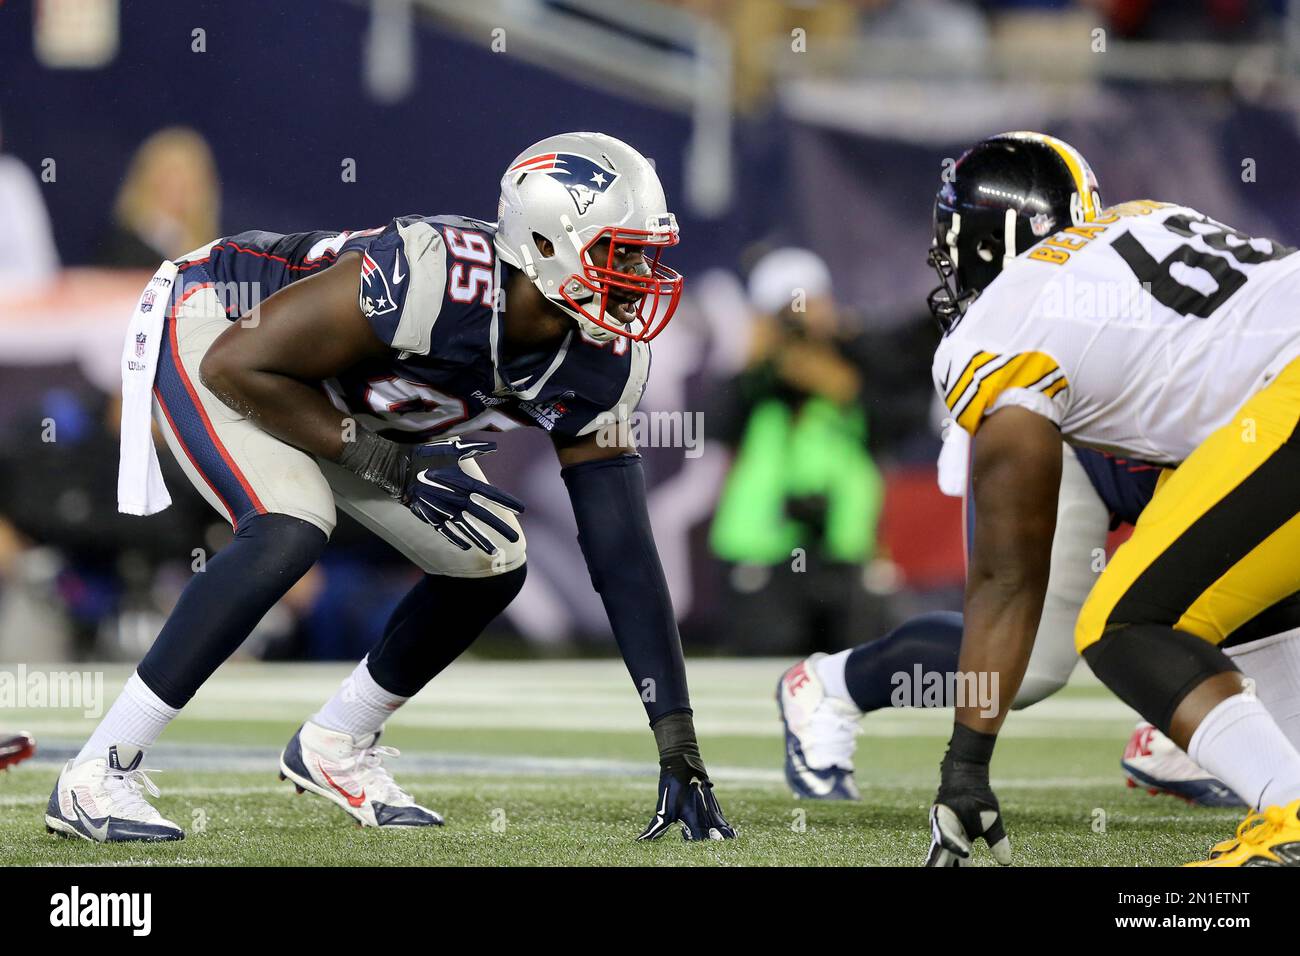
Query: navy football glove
[[439, 493], [686, 797]]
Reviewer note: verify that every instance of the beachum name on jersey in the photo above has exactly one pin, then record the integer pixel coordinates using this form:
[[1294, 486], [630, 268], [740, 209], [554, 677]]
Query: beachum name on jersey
[[74, 909], [1139, 333]]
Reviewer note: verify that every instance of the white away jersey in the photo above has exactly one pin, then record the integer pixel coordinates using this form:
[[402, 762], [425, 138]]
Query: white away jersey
[[1139, 333]]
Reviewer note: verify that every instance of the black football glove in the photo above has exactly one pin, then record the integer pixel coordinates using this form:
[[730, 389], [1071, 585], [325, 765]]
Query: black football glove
[[686, 797], [961, 816], [438, 492], [966, 808]]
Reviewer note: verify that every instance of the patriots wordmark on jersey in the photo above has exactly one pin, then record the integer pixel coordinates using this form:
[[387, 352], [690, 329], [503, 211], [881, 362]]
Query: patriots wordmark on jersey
[[430, 287], [1139, 332]]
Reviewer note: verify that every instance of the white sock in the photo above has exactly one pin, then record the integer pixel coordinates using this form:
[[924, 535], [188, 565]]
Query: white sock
[[360, 706], [1241, 744], [1273, 663], [137, 718], [830, 671]]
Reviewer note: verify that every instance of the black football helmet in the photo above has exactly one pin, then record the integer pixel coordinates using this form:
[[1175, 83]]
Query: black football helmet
[[1002, 196]]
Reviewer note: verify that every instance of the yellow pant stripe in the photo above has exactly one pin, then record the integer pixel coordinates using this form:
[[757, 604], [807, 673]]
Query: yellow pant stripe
[[1258, 581], [1267, 573]]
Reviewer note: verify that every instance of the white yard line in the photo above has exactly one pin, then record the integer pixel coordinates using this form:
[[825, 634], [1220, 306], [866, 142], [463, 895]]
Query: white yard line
[[428, 768], [731, 697], [10, 800]]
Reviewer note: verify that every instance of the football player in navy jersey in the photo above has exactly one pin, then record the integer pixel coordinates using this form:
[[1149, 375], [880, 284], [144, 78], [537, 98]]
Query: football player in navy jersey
[[344, 380]]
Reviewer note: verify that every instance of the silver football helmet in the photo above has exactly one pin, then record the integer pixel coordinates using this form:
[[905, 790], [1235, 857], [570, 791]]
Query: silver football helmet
[[585, 193]]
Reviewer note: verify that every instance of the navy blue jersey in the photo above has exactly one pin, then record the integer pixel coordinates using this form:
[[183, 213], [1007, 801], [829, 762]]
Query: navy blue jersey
[[429, 289], [1124, 485]]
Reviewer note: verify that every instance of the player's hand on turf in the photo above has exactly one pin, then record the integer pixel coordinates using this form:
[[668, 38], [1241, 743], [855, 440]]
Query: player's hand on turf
[[439, 493], [962, 814], [686, 797]]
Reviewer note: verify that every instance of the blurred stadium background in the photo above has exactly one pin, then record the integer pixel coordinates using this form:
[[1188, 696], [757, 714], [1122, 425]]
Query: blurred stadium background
[[129, 132]]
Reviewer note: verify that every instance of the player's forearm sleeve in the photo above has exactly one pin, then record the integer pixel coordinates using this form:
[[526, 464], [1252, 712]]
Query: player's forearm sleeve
[[609, 504], [378, 460]]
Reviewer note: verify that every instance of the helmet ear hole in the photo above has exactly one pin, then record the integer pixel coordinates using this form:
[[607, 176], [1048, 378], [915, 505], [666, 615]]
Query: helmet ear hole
[[545, 247]]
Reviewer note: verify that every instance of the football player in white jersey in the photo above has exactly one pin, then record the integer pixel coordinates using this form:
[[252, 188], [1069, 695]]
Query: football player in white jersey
[[1151, 331], [823, 698]]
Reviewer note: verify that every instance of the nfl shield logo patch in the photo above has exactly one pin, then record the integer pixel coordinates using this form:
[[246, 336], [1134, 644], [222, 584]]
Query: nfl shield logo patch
[[1041, 224], [140, 339], [146, 300]]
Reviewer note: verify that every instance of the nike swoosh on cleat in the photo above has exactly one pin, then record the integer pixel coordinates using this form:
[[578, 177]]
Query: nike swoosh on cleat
[[99, 833], [816, 784], [809, 777], [356, 801]]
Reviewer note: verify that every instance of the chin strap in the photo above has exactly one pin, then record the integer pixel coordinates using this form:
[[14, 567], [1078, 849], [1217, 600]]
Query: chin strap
[[1008, 237]]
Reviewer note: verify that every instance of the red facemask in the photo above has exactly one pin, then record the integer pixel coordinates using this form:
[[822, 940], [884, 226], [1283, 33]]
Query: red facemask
[[657, 287]]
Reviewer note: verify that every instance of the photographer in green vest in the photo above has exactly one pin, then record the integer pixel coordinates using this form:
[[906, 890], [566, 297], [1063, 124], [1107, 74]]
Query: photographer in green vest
[[796, 521]]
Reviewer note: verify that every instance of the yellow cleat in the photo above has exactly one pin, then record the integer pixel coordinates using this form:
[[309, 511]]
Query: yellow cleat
[[1270, 837], [1253, 819]]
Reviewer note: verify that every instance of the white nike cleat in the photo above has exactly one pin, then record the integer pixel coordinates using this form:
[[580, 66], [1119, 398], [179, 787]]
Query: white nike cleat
[[1157, 764], [101, 801], [351, 773], [820, 735]]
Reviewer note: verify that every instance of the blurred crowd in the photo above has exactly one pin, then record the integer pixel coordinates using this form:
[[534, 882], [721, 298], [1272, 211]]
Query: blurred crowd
[[78, 580], [832, 26], [1146, 19]]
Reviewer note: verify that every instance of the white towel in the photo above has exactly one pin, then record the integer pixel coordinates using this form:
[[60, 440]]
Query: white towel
[[140, 486], [954, 461]]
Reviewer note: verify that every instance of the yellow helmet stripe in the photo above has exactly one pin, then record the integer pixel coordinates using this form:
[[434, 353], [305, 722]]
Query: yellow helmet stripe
[[1077, 166]]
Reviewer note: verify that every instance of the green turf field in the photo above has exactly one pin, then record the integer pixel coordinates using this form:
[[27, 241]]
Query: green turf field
[[550, 763]]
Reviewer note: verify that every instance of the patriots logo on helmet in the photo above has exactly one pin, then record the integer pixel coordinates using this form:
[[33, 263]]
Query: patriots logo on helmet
[[584, 178]]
